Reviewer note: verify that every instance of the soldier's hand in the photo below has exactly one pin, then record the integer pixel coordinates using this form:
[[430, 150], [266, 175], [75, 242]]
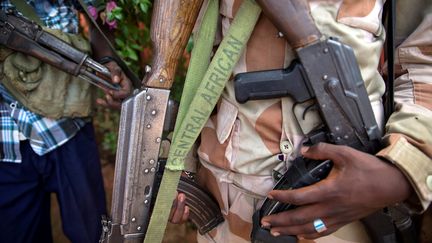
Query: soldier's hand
[[114, 98], [358, 185], [179, 212]]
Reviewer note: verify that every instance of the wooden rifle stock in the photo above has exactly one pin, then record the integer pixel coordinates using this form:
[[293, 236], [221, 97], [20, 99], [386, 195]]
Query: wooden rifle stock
[[293, 19], [172, 24]]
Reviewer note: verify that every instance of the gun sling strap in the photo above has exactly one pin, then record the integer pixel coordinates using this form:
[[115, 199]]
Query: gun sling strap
[[389, 19], [199, 98]]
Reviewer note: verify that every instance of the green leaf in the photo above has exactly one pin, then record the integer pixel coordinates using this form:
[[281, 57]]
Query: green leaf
[[131, 53], [144, 7], [136, 47], [119, 41], [116, 13]]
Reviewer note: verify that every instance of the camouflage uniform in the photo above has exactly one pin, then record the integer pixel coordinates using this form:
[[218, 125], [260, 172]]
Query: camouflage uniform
[[243, 144]]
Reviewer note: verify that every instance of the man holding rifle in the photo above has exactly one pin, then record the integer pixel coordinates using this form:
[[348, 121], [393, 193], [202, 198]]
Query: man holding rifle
[[246, 148], [48, 143]]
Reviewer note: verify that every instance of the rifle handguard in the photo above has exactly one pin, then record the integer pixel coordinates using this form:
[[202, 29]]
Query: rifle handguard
[[22, 35]]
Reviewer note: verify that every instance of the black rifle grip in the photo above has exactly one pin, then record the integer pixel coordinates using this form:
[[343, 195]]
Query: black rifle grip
[[272, 84], [303, 172]]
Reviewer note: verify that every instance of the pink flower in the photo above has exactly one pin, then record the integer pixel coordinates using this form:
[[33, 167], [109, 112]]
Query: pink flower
[[93, 12], [112, 24], [108, 8]]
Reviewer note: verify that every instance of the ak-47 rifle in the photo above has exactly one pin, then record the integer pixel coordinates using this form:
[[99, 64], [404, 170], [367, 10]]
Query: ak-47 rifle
[[21, 34], [327, 73], [138, 164]]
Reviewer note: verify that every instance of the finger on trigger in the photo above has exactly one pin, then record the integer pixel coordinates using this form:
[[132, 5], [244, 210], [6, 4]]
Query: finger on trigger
[[301, 196]]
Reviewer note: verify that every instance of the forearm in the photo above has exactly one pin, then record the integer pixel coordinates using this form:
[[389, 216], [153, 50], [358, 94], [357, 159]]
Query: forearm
[[408, 136], [100, 47], [408, 142]]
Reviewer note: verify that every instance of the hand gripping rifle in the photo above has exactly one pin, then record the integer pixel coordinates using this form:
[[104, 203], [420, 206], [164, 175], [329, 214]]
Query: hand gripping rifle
[[327, 73], [138, 164], [21, 34]]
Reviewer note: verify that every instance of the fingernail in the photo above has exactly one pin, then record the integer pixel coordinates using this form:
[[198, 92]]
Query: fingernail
[[300, 237], [265, 225], [182, 198], [269, 196], [304, 149], [275, 233]]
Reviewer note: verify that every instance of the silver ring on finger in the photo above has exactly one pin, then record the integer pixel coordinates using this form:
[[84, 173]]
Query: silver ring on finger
[[319, 226]]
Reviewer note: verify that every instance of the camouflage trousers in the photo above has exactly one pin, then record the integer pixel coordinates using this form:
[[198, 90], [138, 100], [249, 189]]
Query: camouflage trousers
[[239, 203]]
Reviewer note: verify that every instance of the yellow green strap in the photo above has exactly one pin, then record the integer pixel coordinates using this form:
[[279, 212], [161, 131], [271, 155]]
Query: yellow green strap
[[200, 59], [212, 84], [199, 104]]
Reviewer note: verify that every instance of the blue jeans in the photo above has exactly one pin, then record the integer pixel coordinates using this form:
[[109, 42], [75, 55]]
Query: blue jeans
[[73, 173]]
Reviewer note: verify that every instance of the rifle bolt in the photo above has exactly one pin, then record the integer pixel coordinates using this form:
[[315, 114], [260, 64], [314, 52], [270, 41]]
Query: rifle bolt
[[326, 50], [148, 97], [148, 126], [139, 228], [324, 77], [152, 161], [153, 112], [133, 219]]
